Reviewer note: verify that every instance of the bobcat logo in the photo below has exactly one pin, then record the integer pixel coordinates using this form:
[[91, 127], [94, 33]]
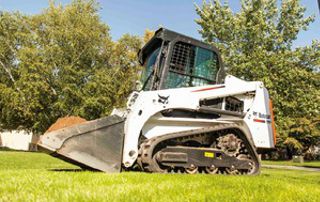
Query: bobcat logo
[[163, 99]]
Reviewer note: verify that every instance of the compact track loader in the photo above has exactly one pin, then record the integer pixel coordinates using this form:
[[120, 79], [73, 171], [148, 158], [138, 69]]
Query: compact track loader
[[188, 118]]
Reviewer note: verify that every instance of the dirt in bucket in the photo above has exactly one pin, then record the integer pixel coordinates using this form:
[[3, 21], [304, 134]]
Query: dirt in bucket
[[65, 122]]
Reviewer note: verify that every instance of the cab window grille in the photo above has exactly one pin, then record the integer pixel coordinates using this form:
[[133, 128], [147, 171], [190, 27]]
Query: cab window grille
[[191, 66], [182, 57]]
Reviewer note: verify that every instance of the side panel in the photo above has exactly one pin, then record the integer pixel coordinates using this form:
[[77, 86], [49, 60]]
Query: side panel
[[148, 104], [159, 125], [259, 120]]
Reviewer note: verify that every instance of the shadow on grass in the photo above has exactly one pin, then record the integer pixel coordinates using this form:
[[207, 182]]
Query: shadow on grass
[[68, 170]]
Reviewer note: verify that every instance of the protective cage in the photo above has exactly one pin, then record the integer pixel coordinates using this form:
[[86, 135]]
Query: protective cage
[[181, 62]]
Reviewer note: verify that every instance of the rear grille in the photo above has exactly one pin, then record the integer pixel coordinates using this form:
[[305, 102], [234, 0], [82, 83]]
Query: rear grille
[[234, 104]]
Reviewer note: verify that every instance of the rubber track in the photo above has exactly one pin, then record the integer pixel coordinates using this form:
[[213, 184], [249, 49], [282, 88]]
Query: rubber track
[[146, 148]]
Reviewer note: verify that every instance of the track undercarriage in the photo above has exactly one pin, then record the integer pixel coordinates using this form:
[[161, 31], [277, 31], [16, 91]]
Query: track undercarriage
[[207, 150]]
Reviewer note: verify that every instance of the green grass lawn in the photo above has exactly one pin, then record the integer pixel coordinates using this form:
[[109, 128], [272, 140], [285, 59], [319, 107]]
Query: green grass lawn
[[290, 163], [34, 177]]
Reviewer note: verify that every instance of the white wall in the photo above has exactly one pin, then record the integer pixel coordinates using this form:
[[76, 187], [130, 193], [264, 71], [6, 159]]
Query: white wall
[[18, 140]]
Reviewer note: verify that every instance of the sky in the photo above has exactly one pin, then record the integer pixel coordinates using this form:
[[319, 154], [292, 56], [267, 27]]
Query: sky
[[134, 16]]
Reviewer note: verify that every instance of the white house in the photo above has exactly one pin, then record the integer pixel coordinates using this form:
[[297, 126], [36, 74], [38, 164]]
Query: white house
[[16, 139]]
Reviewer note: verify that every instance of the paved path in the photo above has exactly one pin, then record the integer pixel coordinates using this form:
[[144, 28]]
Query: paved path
[[292, 168]]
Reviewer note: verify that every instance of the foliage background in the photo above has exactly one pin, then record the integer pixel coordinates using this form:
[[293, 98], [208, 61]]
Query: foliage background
[[63, 62], [256, 44]]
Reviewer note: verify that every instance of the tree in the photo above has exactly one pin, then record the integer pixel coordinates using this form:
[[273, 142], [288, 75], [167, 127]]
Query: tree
[[256, 44], [110, 87], [148, 34], [62, 62]]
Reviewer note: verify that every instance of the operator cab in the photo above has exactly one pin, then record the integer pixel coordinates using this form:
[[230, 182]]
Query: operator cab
[[172, 60]]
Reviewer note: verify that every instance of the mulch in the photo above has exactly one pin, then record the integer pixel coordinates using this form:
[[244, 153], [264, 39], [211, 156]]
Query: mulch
[[65, 122]]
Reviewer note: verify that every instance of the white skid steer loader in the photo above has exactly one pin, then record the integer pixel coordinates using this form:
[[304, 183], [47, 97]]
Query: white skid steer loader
[[188, 118]]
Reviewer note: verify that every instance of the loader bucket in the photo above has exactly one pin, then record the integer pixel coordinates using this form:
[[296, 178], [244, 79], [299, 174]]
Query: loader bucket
[[94, 144]]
